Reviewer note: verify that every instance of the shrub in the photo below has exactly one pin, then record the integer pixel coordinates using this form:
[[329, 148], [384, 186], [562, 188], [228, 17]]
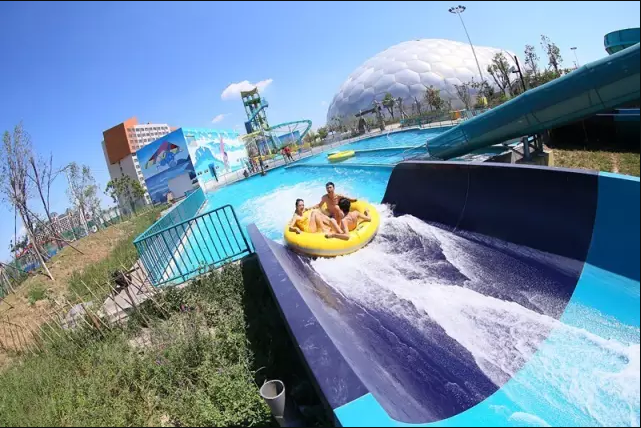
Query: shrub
[[35, 293]]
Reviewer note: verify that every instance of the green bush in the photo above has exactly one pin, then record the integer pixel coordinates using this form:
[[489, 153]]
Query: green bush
[[35, 293]]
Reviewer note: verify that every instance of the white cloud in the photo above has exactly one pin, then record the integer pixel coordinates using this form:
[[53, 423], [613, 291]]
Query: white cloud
[[323, 103], [219, 118], [233, 90]]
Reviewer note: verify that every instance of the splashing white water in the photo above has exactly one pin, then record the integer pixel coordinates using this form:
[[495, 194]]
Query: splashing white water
[[586, 378], [280, 206]]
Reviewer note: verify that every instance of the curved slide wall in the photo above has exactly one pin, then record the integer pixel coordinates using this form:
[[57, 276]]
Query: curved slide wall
[[375, 368], [601, 85]]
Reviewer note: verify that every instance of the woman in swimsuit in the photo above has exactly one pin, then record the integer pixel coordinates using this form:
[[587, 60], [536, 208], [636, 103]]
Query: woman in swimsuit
[[349, 222], [316, 222]]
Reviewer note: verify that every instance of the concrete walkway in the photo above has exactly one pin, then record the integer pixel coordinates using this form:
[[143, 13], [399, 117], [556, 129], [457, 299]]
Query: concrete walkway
[[118, 307]]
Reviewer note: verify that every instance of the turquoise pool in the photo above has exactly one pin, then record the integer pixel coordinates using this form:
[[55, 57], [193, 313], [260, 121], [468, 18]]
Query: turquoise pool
[[269, 201], [386, 149]]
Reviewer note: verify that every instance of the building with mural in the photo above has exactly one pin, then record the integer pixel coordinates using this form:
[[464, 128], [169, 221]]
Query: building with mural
[[215, 153], [119, 146], [187, 157]]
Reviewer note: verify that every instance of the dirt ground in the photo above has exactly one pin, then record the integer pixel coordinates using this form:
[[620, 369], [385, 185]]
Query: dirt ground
[[16, 308]]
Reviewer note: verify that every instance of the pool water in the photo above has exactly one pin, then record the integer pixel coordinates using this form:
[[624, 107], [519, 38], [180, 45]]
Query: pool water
[[408, 138], [386, 149], [587, 375], [269, 201]]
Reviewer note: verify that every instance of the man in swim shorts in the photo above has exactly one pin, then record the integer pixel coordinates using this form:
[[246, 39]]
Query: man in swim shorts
[[331, 200]]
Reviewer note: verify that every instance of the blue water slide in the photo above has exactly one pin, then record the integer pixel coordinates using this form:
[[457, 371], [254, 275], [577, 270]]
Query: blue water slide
[[595, 87], [564, 236], [305, 124]]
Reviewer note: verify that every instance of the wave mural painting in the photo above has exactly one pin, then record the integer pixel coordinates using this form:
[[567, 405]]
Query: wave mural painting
[[164, 162], [215, 153]]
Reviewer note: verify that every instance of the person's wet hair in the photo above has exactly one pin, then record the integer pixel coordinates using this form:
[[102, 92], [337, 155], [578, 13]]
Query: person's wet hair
[[344, 204], [298, 201], [330, 184]]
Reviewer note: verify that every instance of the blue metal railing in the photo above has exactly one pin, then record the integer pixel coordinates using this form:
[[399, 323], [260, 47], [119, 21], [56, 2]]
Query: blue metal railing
[[175, 249]]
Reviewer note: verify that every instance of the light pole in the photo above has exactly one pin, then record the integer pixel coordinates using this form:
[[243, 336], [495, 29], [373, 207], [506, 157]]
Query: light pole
[[576, 57], [518, 69], [458, 10]]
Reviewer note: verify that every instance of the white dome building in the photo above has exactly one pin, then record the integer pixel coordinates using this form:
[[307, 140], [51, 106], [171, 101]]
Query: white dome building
[[406, 69]]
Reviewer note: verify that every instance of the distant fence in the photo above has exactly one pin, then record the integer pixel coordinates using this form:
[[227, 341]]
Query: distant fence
[[185, 243]]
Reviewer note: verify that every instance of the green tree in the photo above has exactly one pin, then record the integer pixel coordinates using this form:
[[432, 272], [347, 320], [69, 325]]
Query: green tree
[[125, 190], [531, 72], [310, 137], [433, 98], [388, 103], [500, 71], [553, 53], [547, 76], [337, 124], [463, 93], [322, 132], [82, 186], [42, 176], [483, 90], [22, 244], [416, 106], [92, 202]]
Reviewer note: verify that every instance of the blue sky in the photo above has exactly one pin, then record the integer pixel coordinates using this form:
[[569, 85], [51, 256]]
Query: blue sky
[[72, 70]]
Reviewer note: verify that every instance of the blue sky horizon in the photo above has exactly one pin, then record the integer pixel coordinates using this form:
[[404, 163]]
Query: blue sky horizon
[[75, 69]]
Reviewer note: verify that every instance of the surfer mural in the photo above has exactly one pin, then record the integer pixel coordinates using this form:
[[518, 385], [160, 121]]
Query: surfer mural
[[164, 156], [163, 161]]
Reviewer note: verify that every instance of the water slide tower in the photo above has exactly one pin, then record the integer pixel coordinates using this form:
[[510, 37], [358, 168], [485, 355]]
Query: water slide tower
[[270, 139], [255, 109]]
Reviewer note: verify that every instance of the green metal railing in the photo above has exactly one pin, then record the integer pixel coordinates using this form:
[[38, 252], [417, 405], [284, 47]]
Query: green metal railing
[[186, 209], [180, 246]]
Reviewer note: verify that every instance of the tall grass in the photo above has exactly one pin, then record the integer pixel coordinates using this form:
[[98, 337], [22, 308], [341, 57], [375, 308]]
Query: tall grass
[[196, 357], [124, 254]]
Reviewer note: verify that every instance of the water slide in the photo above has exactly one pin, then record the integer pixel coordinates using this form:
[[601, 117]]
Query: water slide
[[253, 116], [493, 295], [593, 88], [292, 128]]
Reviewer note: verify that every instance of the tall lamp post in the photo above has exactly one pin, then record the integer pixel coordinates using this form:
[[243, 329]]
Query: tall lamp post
[[518, 69], [458, 10], [576, 57]]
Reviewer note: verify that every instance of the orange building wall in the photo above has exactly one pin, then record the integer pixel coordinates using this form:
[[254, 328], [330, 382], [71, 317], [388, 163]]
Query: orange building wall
[[117, 142]]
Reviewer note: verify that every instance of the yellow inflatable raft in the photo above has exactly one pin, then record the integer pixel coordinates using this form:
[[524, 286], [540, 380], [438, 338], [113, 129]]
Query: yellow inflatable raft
[[315, 244], [341, 156]]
